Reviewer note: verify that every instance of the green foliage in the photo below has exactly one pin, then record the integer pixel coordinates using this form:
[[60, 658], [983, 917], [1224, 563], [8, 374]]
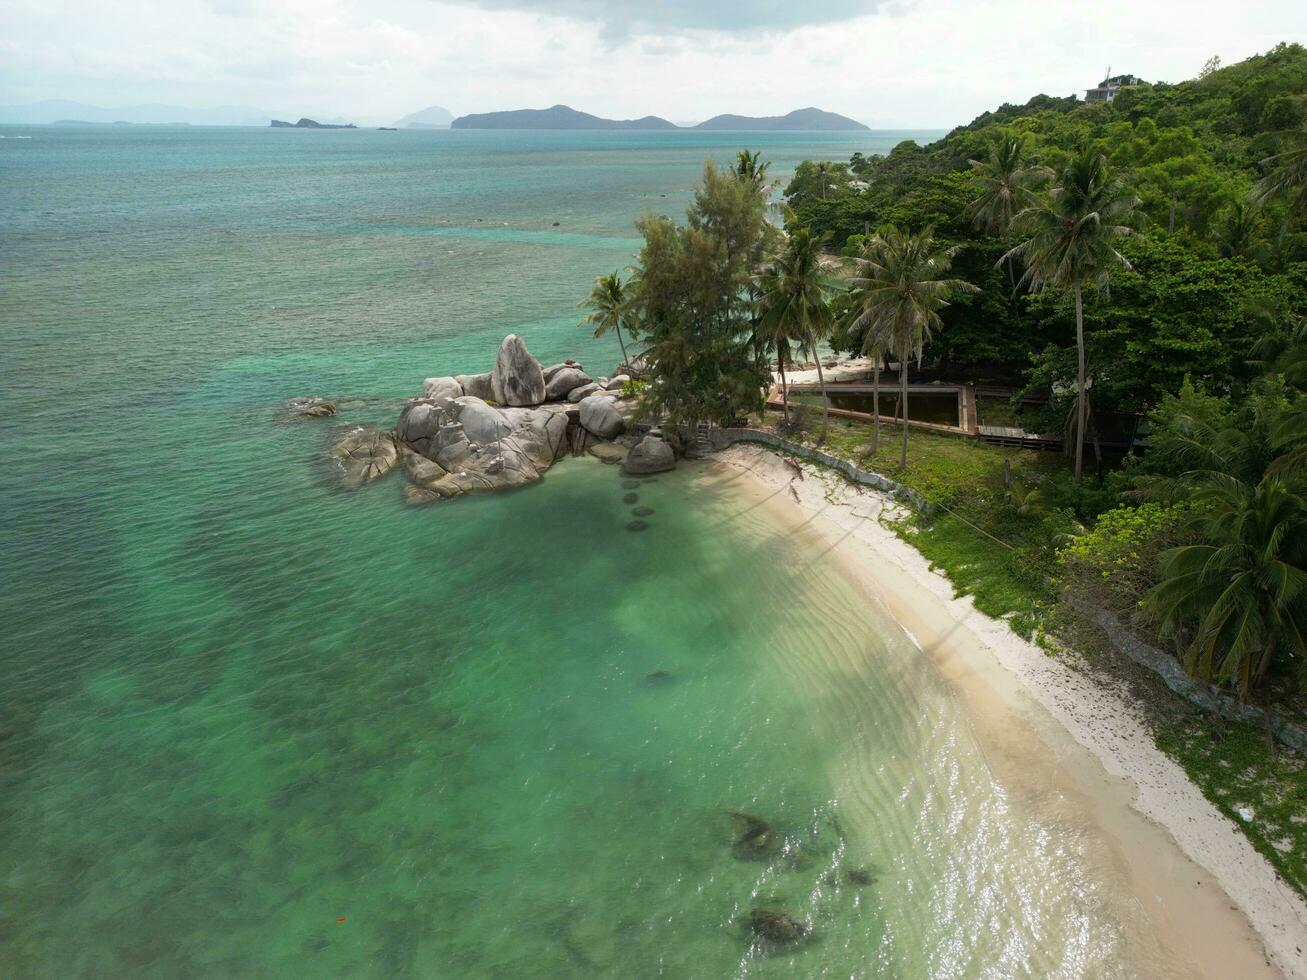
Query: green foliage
[[1191, 153], [1116, 562], [609, 305], [690, 301], [633, 387]]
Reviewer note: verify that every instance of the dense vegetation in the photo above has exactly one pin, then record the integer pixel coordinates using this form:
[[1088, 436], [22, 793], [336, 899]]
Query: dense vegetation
[[1146, 257]]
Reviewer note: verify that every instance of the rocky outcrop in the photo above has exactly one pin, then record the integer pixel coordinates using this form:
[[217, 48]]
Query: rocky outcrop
[[600, 417], [311, 407], [517, 379], [505, 428], [563, 382], [436, 388], [364, 454], [650, 455], [615, 383], [476, 385], [462, 445]]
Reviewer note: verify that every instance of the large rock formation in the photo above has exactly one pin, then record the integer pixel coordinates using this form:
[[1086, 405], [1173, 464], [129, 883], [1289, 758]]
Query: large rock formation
[[650, 455], [564, 382], [463, 445], [436, 388], [476, 385], [517, 379], [599, 415], [453, 440], [364, 454]]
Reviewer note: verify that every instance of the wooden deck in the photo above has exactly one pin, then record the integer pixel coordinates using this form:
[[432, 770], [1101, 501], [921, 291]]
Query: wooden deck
[[1003, 435]]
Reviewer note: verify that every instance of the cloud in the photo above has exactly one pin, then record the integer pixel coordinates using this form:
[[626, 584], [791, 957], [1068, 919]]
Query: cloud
[[621, 18]]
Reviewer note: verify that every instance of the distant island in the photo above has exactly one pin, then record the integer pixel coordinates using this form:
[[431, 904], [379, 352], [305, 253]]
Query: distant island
[[555, 117], [432, 117], [309, 124], [800, 120], [565, 117]]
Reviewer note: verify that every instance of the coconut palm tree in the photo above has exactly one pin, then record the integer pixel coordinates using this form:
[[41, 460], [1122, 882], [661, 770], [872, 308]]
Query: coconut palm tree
[[900, 289], [794, 302], [1245, 586], [751, 167], [609, 305], [1007, 184], [1288, 179], [1071, 242], [876, 343]]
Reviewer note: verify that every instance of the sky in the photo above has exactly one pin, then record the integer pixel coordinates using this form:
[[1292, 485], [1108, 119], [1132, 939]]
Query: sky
[[889, 63]]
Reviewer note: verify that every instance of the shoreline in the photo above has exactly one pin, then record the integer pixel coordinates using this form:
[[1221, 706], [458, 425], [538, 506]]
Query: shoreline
[[1202, 886]]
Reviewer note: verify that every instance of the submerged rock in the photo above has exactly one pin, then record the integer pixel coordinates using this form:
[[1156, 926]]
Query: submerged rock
[[364, 455], [658, 677], [637, 525], [631, 498], [860, 877], [517, 379], [650, 455], [776, 926], [642, 511], [755, 838], [311, 407]]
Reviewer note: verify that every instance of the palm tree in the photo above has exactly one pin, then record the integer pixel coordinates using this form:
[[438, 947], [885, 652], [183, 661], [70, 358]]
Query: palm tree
[[1072, 244], [1236, 229], [794, 302], [1245, 586], [609, 305], [1288, 179], [876, 342], [751, 167], [900, 290], [1007, 187]]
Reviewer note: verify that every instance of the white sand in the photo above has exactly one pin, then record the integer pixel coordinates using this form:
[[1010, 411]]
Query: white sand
[[1199, 883]]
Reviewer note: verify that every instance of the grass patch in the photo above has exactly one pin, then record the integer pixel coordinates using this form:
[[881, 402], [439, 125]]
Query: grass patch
[[1232, 766]]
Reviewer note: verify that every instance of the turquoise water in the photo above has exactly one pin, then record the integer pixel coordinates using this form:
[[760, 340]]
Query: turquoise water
[[255, 725]]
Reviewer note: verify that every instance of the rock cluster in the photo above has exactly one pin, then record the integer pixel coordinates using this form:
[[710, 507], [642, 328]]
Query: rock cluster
[[501, 429]]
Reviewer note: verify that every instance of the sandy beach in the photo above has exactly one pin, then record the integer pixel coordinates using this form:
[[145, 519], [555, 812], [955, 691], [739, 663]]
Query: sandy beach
[[1073, 740]]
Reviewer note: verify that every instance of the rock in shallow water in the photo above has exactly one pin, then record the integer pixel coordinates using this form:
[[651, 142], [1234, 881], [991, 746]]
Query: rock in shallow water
[[364, 455], [631, 498], [776, 926], [637, 526], [642, 511], [311, 407], [650, 455]]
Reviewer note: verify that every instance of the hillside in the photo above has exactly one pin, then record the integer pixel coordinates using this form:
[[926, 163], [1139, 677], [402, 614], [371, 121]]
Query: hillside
[[555, 117], [1203, 261], [800, 120]]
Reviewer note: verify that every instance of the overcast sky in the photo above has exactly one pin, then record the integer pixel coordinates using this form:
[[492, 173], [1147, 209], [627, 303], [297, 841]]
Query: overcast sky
[[927, 63]]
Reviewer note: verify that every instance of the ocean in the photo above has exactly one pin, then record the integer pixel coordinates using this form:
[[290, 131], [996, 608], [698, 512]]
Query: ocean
[[255, 724]]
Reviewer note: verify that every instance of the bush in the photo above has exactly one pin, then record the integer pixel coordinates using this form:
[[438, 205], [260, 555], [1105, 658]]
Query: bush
[[1116, 563]]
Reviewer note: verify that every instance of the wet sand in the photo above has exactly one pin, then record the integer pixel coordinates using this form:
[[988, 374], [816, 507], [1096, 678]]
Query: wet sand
[[1191, 895]]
